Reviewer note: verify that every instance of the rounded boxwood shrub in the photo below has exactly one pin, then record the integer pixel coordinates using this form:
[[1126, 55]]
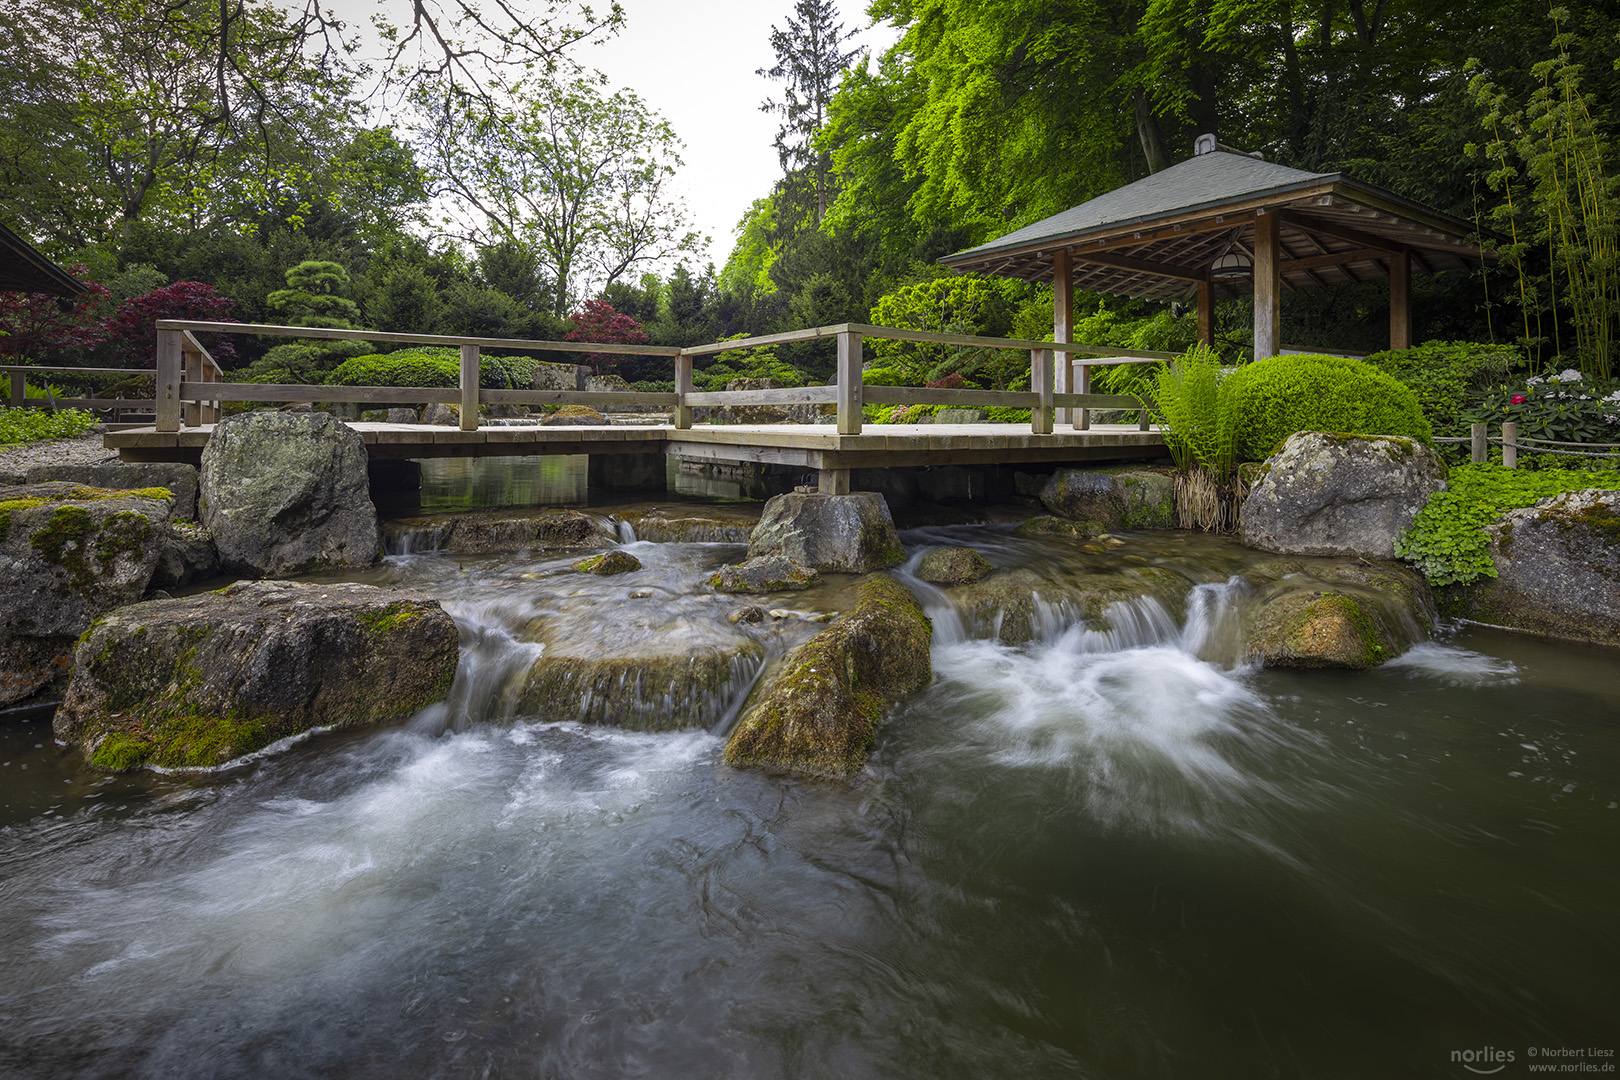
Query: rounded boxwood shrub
[[1280, 396]]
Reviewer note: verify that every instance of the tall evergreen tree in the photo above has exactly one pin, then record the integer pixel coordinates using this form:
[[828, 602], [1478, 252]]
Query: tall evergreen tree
[[810, 57]]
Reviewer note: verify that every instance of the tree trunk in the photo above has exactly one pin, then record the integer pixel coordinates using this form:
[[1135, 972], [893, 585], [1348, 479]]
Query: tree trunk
[[1147, 129]]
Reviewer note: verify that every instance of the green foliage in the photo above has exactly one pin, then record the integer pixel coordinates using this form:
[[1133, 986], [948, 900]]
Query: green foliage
[[1447, 376], [1447, 540], [761, 363], [314, 296], [407, 303], [950, 305], [33, 425], [1280, 396], [1573, 209], [1194, 401]]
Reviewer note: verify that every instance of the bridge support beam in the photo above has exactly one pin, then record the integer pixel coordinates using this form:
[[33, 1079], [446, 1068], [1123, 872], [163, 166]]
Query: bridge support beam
[[833, 481]]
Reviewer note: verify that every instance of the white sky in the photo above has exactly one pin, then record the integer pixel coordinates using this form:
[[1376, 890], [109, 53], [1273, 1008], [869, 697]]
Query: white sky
[[694, 63]]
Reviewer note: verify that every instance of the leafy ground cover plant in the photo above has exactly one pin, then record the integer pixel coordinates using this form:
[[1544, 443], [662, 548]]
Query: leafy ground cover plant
[[1567, 407], [32, 425], [1447, 541]]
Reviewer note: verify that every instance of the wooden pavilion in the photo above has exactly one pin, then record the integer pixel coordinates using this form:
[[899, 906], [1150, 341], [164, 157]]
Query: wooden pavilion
[[1223, 223]]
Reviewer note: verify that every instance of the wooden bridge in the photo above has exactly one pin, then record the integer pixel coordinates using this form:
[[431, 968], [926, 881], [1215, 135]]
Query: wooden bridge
[[191, 390]]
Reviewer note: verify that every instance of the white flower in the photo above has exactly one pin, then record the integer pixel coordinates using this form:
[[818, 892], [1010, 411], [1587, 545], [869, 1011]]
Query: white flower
[[1569, 375], [1534, 380]]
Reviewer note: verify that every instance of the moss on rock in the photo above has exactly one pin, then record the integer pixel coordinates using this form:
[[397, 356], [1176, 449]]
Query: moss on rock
[[608, 563], [764, 574], [1319, 630], [820, 712], [953, 566]]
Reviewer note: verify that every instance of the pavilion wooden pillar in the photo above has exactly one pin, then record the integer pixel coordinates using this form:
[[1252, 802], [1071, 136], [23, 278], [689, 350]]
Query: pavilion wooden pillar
[[1267, 286], [1400, 300], [1063, 322], [1206, 312]]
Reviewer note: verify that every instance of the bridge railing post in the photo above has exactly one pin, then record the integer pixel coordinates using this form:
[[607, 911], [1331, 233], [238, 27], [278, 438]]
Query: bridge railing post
[[469, 388], [170, 344], [849, 383], [683, 386], [1081, 381], [19, 392], [1040, 380]]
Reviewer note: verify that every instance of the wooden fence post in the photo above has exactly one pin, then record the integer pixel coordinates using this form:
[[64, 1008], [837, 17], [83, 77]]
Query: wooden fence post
[[1040, 380], [1510, 444], [1082, 385], [167, 410], [19, 391], [849, 384], [191, 371], [469, 388], [1478, 446], [683, 386]]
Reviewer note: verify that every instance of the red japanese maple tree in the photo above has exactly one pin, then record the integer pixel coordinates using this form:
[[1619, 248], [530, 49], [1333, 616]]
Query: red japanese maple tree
[[598, 321], [33, 326], [133, 332]]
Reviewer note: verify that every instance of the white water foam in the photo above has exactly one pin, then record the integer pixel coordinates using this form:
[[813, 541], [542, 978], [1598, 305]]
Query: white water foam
[[1454, 666]]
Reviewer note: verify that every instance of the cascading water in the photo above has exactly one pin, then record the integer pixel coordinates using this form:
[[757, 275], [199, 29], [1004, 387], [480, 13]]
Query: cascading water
[[1108, 849]]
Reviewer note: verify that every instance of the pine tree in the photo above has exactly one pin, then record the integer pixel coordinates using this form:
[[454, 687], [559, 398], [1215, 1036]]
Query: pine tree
[[810, 57]]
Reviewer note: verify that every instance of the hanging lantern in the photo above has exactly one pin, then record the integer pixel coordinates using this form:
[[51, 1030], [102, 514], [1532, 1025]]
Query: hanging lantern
[[1234, 264]]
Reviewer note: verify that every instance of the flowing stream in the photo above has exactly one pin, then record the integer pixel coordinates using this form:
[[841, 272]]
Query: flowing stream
[[1107, 852]]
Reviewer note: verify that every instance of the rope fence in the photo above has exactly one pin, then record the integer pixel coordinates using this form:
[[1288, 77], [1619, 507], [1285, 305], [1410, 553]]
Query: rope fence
[[1479, 439]]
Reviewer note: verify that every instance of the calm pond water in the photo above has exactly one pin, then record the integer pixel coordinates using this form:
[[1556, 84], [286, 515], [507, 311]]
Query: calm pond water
[[1103, 854]]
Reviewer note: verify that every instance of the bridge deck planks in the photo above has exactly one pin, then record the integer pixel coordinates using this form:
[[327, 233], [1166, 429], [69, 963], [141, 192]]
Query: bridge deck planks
[[808, 445]]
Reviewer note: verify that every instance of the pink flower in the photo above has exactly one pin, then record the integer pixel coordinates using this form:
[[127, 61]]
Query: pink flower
[[1519, 399]]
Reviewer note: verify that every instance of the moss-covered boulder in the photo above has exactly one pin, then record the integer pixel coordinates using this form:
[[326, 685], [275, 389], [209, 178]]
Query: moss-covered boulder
[[1119, 497], [845, 534], [767, 573], [285, 493], [1320, 630], [576, 416], [953, 566], [1557, 570], [483, 531], [201, 680], [1331, 494], [818, 713], [646, 673], [1084, 529], [609, 563], [70, 552]]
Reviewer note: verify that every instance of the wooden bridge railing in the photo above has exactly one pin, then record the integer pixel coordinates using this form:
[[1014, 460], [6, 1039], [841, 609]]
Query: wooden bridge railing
[[189, 383]]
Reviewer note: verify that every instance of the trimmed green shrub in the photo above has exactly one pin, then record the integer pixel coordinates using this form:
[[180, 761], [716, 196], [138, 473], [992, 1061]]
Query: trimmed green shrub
[[759, 363], [1447, 540], [1280, 396], [432, 365]]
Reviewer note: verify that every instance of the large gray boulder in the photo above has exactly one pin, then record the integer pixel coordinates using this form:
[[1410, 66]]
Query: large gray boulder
[[286, 493], [845, 534], [1557, 570], [1125, 497], [201, 680], [177, 476], [817, 714], [1331, 494]]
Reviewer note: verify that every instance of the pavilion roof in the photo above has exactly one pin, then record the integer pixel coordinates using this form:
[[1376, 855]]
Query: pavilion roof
[[24, 269], [1155, 238]]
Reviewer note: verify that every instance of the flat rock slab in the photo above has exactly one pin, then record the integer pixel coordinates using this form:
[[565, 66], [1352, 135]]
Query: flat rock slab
[[767, 573], [179, 478], [198, 681], [286, 493], [647, 672], [1329, 494], [845, 534], [486, 531]]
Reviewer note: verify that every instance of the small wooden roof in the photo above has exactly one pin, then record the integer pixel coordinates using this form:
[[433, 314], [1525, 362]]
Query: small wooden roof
[[24, 269], [1156, 238]]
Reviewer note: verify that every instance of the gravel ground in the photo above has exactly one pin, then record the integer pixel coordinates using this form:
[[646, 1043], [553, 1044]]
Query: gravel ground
[[85, 450]]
